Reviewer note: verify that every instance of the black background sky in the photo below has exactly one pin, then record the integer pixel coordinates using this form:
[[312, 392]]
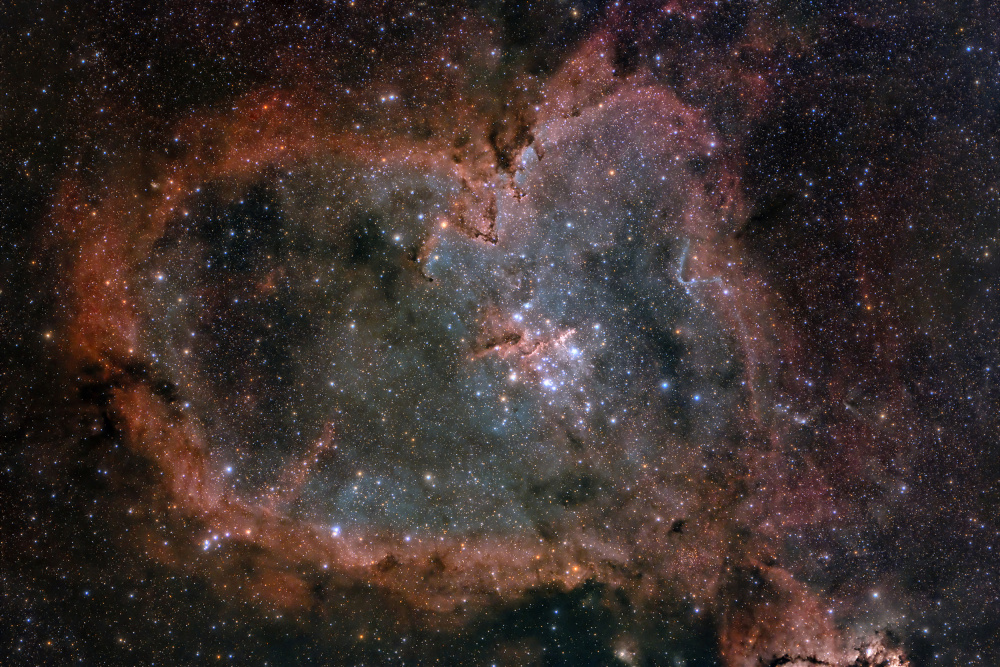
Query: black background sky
[[834, 421]]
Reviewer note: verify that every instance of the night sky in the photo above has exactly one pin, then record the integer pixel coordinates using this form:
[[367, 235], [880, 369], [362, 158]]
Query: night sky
[[503, 332]]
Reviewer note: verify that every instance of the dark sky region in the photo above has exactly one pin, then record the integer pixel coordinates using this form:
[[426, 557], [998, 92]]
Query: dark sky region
[[499, 333]]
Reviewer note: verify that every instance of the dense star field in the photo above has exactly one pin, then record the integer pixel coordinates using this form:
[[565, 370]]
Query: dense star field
[[500, 333]]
